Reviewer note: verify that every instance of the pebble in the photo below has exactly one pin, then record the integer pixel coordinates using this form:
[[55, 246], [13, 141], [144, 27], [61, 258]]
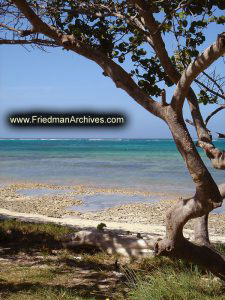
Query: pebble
[[54, 205]]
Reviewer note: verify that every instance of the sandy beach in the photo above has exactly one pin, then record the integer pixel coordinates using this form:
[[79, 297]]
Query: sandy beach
[[50, 203]]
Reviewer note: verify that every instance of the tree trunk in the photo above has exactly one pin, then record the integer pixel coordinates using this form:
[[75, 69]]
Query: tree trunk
[[201, 226], [206, 198], [201, 235]]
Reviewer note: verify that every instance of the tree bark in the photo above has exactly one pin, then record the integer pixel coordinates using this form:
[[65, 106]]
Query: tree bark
[[201, 227], [206, 198], [201, 235], [202, 255]]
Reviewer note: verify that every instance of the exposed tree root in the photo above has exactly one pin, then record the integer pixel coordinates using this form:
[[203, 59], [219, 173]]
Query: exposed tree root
[[202, 255]]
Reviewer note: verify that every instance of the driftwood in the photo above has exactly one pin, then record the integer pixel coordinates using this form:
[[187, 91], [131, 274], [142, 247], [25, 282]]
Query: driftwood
[[128, 246]]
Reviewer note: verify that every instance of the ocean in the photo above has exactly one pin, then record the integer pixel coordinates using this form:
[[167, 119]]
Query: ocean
[[150, 165]]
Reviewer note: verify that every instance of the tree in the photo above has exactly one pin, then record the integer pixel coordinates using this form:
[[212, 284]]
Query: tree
[[108, 33]]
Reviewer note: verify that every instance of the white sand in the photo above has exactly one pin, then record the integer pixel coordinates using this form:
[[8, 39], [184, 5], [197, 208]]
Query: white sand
[[148, 230]]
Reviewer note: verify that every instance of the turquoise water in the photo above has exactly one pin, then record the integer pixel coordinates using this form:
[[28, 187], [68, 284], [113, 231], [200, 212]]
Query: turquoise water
[[151, 165]]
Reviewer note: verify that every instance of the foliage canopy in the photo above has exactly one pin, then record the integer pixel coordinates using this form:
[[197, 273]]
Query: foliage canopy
[[116, 29]]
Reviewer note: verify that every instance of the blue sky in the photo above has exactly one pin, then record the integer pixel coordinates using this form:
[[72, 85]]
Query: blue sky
[[64, 81]]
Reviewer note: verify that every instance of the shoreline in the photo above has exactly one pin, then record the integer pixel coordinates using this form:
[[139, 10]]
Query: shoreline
[[146, 230], [145, 217]]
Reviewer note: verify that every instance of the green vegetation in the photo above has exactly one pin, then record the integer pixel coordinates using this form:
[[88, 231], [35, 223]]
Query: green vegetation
[[101, 226], [174, 280], [47, 293], [32, 236], [14, 227], [34, 266]]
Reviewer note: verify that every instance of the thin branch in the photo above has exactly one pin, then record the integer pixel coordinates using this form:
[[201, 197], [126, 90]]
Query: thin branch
[[163, 95], [158, 43], [102, 11], [38, 25], [210, 90], [192, 124], [221, 135], [216, 156], [214, 81], [28, 42], [213, 113], [171, 71], [181, 5], [10, 28], [88, 12], [201, 63]]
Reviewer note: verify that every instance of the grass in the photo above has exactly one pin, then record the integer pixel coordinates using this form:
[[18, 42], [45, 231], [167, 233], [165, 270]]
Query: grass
[[164, 279], [47, 293], [31, 237], [14, 228], [220, 248], [35, 266]]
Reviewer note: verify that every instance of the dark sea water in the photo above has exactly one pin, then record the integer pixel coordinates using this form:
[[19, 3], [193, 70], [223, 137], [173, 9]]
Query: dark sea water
[[151, 165]]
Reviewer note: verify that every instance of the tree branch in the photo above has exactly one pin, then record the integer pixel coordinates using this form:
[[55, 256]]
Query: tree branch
[[10, 28], [94, 10], [159, 45], [221, 135], [213, 113], [181, 5], [119, 76], [192, 124], [201, 63], [163, 95], [22, 33], [210, 90], [214, 81], [216, 156], [38, 25], [102, 11], [172, 72], [29, 42]]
